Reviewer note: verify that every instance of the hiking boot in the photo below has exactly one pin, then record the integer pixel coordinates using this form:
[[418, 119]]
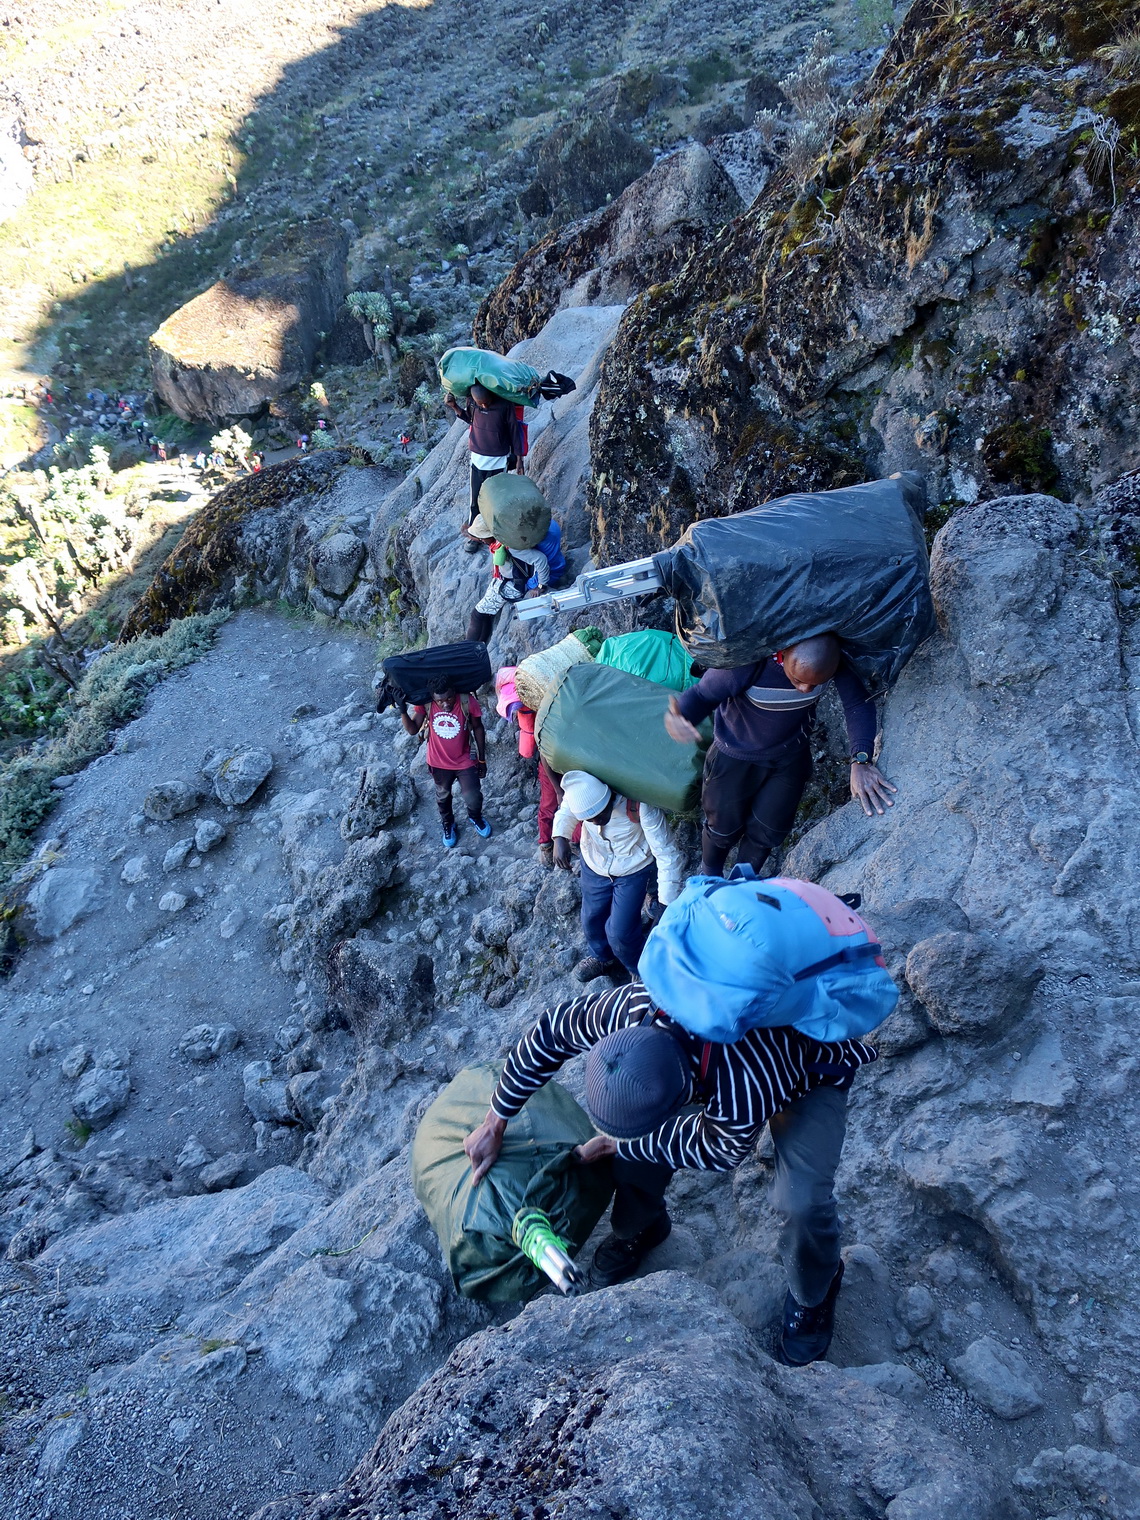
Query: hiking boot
[[546, 856], [807, 1333], [586, 970], [471, 545], [450, 837], [482, 828], [615, 1259]]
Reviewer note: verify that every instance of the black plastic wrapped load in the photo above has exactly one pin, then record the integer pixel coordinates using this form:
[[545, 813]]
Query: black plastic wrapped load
[[456, 667], [851, 562]]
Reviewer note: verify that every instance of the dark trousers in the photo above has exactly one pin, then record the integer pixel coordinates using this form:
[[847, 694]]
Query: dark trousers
[[807, 1137], [468, 784], [751, 802], [611, 915]]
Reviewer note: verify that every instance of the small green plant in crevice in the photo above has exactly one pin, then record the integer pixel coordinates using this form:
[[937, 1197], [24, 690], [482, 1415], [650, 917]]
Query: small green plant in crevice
[[79, 1130], [1020, 454], [217, 1344]]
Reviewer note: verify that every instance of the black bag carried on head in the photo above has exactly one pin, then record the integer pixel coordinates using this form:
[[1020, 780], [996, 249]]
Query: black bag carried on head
[[455, 667], [851, 562]]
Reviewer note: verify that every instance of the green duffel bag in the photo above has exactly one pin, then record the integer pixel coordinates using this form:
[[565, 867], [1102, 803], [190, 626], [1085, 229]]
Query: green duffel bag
[[515, 510], [461, 368], [652, 654], [536, 1169], [612, 724]]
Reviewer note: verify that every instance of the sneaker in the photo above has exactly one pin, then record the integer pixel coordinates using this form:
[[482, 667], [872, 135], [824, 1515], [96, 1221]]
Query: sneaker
[[471, 545], [482, 828], [807, 1333], [450, 838], [586, 970], [615, 1259], [546, 856]]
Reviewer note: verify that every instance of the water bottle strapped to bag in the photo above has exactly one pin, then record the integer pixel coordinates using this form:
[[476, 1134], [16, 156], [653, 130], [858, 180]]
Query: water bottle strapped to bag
[[736, 954]]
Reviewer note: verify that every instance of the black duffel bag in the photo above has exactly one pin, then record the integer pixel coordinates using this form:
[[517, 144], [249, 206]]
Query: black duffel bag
[[414, 676]]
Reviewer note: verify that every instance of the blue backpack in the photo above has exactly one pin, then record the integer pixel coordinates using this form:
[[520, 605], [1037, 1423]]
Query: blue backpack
[[739, 954]]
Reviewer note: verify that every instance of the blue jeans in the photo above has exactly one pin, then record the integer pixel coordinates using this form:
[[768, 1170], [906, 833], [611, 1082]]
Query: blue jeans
[[611, 914]]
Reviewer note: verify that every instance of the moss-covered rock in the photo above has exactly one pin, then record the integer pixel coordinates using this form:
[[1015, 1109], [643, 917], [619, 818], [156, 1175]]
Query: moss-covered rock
[[237, 546], [951, 284]]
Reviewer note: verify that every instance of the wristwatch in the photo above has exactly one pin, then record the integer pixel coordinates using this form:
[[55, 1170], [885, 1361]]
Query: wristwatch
[[862, 758]]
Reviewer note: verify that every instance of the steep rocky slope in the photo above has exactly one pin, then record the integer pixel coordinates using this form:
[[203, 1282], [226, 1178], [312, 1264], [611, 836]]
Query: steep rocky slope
[[219, 1294], [951, 285]]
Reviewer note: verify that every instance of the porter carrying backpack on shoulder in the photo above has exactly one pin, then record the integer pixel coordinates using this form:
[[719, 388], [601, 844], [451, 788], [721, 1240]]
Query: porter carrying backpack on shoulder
[[739, 954]]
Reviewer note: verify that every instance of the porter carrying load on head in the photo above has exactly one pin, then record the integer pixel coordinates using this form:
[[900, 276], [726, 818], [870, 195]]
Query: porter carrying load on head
[[417, 674], [512, 379], [851, 562]]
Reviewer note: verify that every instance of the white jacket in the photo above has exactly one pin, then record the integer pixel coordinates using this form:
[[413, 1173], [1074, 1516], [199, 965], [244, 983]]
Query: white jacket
[[626, 845]]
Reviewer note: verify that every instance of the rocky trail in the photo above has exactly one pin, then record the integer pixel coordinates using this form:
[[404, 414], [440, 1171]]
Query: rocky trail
[[246, 964]]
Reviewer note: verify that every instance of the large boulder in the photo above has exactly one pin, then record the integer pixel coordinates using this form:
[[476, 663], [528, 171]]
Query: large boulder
[[253, 541], [624, 1402], [254, 334], [581, 165]]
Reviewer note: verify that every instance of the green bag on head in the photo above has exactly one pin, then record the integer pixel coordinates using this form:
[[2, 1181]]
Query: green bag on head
[[536, 1169], [652, 654], [515, 510], [612, 724], [461, 368]]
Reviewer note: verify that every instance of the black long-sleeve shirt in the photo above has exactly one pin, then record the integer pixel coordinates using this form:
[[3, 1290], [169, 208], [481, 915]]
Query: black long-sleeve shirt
[[748, 1082], [758, 709]]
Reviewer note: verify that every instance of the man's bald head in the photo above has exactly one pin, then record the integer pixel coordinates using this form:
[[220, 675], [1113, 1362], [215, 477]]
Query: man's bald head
[[812, 662], [482, 397]]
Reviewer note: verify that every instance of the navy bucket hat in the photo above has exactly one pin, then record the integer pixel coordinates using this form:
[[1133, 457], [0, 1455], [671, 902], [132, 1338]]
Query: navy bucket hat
[[636, 1078]]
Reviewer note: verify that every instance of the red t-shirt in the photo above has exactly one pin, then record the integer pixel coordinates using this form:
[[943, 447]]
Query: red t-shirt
[[449, 734]]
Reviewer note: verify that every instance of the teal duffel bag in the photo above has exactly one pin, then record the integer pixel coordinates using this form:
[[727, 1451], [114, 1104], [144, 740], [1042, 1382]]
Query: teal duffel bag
[[652, 654], [461, 368]]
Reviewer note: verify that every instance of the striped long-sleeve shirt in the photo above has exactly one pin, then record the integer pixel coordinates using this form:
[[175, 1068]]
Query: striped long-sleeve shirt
[[746, 1083]]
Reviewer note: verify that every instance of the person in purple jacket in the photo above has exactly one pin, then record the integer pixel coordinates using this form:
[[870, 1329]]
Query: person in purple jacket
[[759, 761]]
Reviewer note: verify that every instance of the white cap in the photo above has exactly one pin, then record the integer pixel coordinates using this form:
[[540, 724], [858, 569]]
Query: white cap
[[584, 794]]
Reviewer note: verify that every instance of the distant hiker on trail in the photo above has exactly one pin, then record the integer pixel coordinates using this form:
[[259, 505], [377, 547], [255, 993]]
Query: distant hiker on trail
[[516, 573], [492, 438], [451, 730], [161, 451], [642, 1074], [405, 440], [760, 761], [627, 851]]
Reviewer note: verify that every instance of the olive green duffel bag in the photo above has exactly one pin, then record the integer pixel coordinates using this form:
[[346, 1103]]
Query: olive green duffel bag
[[536, 1169]]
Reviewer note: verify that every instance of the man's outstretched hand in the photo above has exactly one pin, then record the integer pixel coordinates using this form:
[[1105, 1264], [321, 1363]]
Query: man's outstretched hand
[[595, 1149], [870, 786], [484, 1144], [562, 857], [679, 727]]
